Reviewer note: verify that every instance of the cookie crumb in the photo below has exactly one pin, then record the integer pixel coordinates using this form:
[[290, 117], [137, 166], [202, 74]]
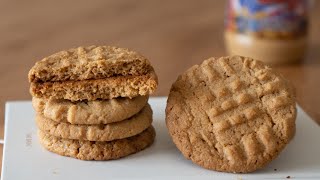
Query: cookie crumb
[[288, 177]]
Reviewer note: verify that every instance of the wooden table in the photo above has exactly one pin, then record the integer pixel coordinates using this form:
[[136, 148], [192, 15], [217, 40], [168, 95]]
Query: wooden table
[[173, 34]]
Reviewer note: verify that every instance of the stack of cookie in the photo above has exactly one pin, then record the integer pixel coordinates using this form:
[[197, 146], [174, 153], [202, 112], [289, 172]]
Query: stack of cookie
[[91, 102]]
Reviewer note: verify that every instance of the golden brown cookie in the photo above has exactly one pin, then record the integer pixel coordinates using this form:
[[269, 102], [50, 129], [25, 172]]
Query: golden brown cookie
[[93, 89], [93, 62], [89, 112], [107, 132], [231, 114], [98, 150]]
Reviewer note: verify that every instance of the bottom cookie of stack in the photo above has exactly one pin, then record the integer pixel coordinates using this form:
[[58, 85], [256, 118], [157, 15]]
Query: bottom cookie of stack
[[97, 150]]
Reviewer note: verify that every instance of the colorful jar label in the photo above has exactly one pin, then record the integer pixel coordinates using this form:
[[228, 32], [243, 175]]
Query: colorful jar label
[[279, 19]]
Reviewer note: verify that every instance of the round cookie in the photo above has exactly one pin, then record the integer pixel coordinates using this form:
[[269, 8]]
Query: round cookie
[[91, 62], [90, 150], [107, 132], [90, 112], [232, 114]]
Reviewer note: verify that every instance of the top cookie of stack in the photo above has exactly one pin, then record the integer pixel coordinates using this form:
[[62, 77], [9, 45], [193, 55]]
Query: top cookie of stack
[[90, 73]]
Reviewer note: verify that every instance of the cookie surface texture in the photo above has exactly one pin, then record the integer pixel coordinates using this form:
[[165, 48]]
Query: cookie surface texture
[[231, 114], [93, 62], [91, 150], [90, 112], [107, 132], [93, 89]]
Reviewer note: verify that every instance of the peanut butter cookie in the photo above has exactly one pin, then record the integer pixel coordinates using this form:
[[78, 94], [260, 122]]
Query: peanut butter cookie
[[231, 114], [104, 132], [93, 89], [97, 150], [93, 62], [91, 73], [89, 112]]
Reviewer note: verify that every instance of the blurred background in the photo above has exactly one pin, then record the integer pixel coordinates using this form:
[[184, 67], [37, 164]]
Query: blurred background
[[173, 35]]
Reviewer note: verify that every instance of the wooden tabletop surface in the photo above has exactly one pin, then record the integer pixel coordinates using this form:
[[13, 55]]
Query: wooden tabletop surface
[[174, 35]]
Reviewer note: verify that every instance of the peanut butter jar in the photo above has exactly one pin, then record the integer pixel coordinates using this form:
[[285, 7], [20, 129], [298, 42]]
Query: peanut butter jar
[[274, 31]]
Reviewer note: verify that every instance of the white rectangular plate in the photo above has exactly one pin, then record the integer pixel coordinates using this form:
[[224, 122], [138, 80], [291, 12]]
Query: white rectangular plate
[[24, 158]]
